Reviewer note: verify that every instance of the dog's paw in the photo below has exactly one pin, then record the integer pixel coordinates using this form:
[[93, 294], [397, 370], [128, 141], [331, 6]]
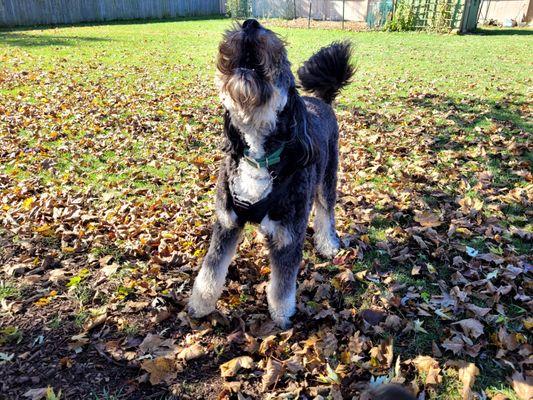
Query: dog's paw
[[281, 311], [283, 322], [199, 307], [327, 246]]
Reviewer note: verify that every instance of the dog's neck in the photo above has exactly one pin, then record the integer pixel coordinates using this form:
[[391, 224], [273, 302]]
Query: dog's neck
[[258, 123]]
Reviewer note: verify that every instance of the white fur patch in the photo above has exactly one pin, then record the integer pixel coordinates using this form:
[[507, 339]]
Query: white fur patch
[[227, 218], [251, 184], [325, 238], [280, 235], [281, 309], [208, 287]]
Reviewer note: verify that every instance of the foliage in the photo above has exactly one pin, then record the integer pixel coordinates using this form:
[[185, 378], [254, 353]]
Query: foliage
[[440, 22], [404, 17], [239, 8], [409, 16], [78, 278], [8, 290]]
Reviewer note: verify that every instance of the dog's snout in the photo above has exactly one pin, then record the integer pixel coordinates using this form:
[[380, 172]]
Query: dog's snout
[[250, 24]]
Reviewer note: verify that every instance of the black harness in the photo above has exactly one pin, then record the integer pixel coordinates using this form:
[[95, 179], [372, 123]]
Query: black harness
[[283, 170], [255, 212]]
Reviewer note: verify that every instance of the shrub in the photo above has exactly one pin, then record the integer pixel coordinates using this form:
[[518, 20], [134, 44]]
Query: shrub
[[404, 18], [238, 8], [442, 18]]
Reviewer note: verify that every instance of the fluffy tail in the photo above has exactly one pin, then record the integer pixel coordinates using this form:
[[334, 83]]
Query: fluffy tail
[[327, 71]]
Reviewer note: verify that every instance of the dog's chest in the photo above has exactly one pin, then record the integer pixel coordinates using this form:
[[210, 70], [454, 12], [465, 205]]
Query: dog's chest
[[249, 183]]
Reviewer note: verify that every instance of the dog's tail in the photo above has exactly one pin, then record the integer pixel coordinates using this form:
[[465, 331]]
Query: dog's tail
[[327, 71]]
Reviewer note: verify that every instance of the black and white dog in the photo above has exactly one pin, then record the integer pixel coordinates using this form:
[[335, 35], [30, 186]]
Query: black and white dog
[[281, 158]]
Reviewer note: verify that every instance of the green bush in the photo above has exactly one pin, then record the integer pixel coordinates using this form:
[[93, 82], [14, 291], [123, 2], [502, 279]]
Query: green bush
[[238, 8], [404, 18], [442, 18], [408, 16]]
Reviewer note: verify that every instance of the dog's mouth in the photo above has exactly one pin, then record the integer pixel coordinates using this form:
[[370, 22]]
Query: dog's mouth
[[248, 64]]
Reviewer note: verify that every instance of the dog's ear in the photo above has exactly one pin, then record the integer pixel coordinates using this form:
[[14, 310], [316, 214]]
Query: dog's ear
[[301, 142], [233, 143]]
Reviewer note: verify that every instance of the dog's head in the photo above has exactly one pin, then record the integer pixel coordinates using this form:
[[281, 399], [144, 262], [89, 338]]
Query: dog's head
[[256, 84], [252, 66]]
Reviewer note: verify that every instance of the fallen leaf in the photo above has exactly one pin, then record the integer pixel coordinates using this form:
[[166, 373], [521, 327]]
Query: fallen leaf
[[479, 311], [471, 251], [77, 342], [273, 371], [471, 327], [372, 317], [467, 375], [95, 322], [40, 393], [158, 346], [523, 387], [191, 352], [161, 369], [231, 367], [382, 355], [427, 219], [429, 367]]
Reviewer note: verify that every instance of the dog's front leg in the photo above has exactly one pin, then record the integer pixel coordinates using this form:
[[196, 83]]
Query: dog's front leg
[[285, 259], [209, 283]]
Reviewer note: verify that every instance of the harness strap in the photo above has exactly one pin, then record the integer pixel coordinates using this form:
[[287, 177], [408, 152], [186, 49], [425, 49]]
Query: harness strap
[[255, 212]]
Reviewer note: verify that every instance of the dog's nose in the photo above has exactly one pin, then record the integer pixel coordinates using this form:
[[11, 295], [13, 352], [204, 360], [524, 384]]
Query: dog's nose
[[250, 24]]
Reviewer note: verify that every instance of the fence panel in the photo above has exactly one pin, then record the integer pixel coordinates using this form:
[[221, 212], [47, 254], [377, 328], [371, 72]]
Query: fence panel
[[50, 12]]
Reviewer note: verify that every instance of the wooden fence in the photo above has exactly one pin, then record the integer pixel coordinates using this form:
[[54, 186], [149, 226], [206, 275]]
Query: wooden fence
[[355, 10], [51, 12]]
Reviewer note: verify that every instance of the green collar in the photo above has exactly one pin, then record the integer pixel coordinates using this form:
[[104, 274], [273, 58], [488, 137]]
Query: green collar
[[265, 161]]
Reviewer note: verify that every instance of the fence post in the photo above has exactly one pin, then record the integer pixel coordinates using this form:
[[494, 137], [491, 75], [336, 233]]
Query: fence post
[[309, 16], [295, 15], [464, 19]]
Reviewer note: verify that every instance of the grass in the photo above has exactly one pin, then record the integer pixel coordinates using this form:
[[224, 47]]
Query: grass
[[107, 395], [126, 117], [177, 56], [8, 291]]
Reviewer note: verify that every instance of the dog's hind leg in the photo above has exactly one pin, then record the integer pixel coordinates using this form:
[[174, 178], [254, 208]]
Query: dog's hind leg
[[325, 237], [209, 283]]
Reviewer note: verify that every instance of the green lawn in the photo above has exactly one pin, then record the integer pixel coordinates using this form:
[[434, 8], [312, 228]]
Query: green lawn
[[108, 157]]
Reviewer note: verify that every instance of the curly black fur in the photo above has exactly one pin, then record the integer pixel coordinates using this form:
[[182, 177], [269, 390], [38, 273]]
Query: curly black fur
[[327, 71], [264, 112]]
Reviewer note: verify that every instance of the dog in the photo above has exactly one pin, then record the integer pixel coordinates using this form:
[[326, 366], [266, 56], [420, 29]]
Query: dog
[[281, 159]]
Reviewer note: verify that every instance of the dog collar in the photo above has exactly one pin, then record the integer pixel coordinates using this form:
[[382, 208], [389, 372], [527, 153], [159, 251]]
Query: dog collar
[[266, 161]]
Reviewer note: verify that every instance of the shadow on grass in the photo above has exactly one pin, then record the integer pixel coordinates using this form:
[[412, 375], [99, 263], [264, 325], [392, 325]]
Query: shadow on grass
[[469, 112], [28, 40], [114, 22], [503, 31], [93, 371]]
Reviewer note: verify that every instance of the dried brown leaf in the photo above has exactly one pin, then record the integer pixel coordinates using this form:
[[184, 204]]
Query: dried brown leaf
[[231, 367], [161, 369], [273, 372]]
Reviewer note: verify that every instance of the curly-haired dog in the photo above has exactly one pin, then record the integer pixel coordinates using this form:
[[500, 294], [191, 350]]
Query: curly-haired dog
[[281, 158]]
